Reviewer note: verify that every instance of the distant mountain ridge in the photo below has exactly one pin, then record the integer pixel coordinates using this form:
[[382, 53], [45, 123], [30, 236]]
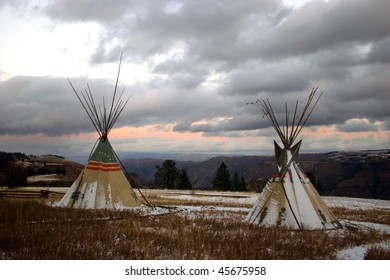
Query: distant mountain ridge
[[364, 174], [177, 156]]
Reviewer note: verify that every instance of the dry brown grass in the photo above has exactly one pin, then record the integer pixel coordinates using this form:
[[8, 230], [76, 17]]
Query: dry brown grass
[[380, 216], [377, 253], [166, 197], [193, 202], [31, 230]]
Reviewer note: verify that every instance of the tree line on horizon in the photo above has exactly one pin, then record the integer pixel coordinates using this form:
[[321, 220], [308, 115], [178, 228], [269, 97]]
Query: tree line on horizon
[[168, 176]]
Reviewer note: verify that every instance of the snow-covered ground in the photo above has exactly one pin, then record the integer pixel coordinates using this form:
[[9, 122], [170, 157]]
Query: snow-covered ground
[[235, 205], [356, 203], [204, 196], [44, 178], [358, 252], [245, 200], [248, 198]]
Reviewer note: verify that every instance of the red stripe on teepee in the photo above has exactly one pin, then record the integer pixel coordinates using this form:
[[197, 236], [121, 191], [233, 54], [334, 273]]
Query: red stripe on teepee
[[103, 169], [279, 175], [94, 165]]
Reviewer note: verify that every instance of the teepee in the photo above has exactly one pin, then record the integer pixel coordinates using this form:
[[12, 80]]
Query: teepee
[[102, 183], [289, 199]]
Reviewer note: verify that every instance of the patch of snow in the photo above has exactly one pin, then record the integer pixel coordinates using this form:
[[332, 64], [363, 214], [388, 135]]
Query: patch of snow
[[355, 253], [46, 178], [238, 212], [381, 228], [356, 203], [153, 211], [207, 196], [359, 252]]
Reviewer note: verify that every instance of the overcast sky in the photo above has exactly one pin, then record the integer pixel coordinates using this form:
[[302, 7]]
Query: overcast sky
[[189, 68]]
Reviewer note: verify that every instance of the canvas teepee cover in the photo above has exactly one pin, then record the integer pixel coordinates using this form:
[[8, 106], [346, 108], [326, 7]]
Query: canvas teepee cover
[[102, 183], [289, 199]]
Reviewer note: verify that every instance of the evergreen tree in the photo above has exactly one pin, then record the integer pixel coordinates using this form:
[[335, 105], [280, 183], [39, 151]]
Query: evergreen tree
[[182, 182], [15, 175], [316, 183], [221, 180], [243, 185], [236, 182], [30, 171], [166, 174]]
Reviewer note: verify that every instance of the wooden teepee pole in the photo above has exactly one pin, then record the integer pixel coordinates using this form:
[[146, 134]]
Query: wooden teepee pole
[[287, 133], [103, 119]]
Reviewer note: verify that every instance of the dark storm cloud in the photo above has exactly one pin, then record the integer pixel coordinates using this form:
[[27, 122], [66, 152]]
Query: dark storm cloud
[[32, 105], [364, 94], [180, 106], [88, 10], [181, 75], [279, 77], [380, 52], [323, 25], [209, 58], [214, 31], [237, 123], [357, 125]]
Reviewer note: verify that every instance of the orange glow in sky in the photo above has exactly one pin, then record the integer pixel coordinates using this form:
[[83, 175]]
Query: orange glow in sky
[[153, 131]]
